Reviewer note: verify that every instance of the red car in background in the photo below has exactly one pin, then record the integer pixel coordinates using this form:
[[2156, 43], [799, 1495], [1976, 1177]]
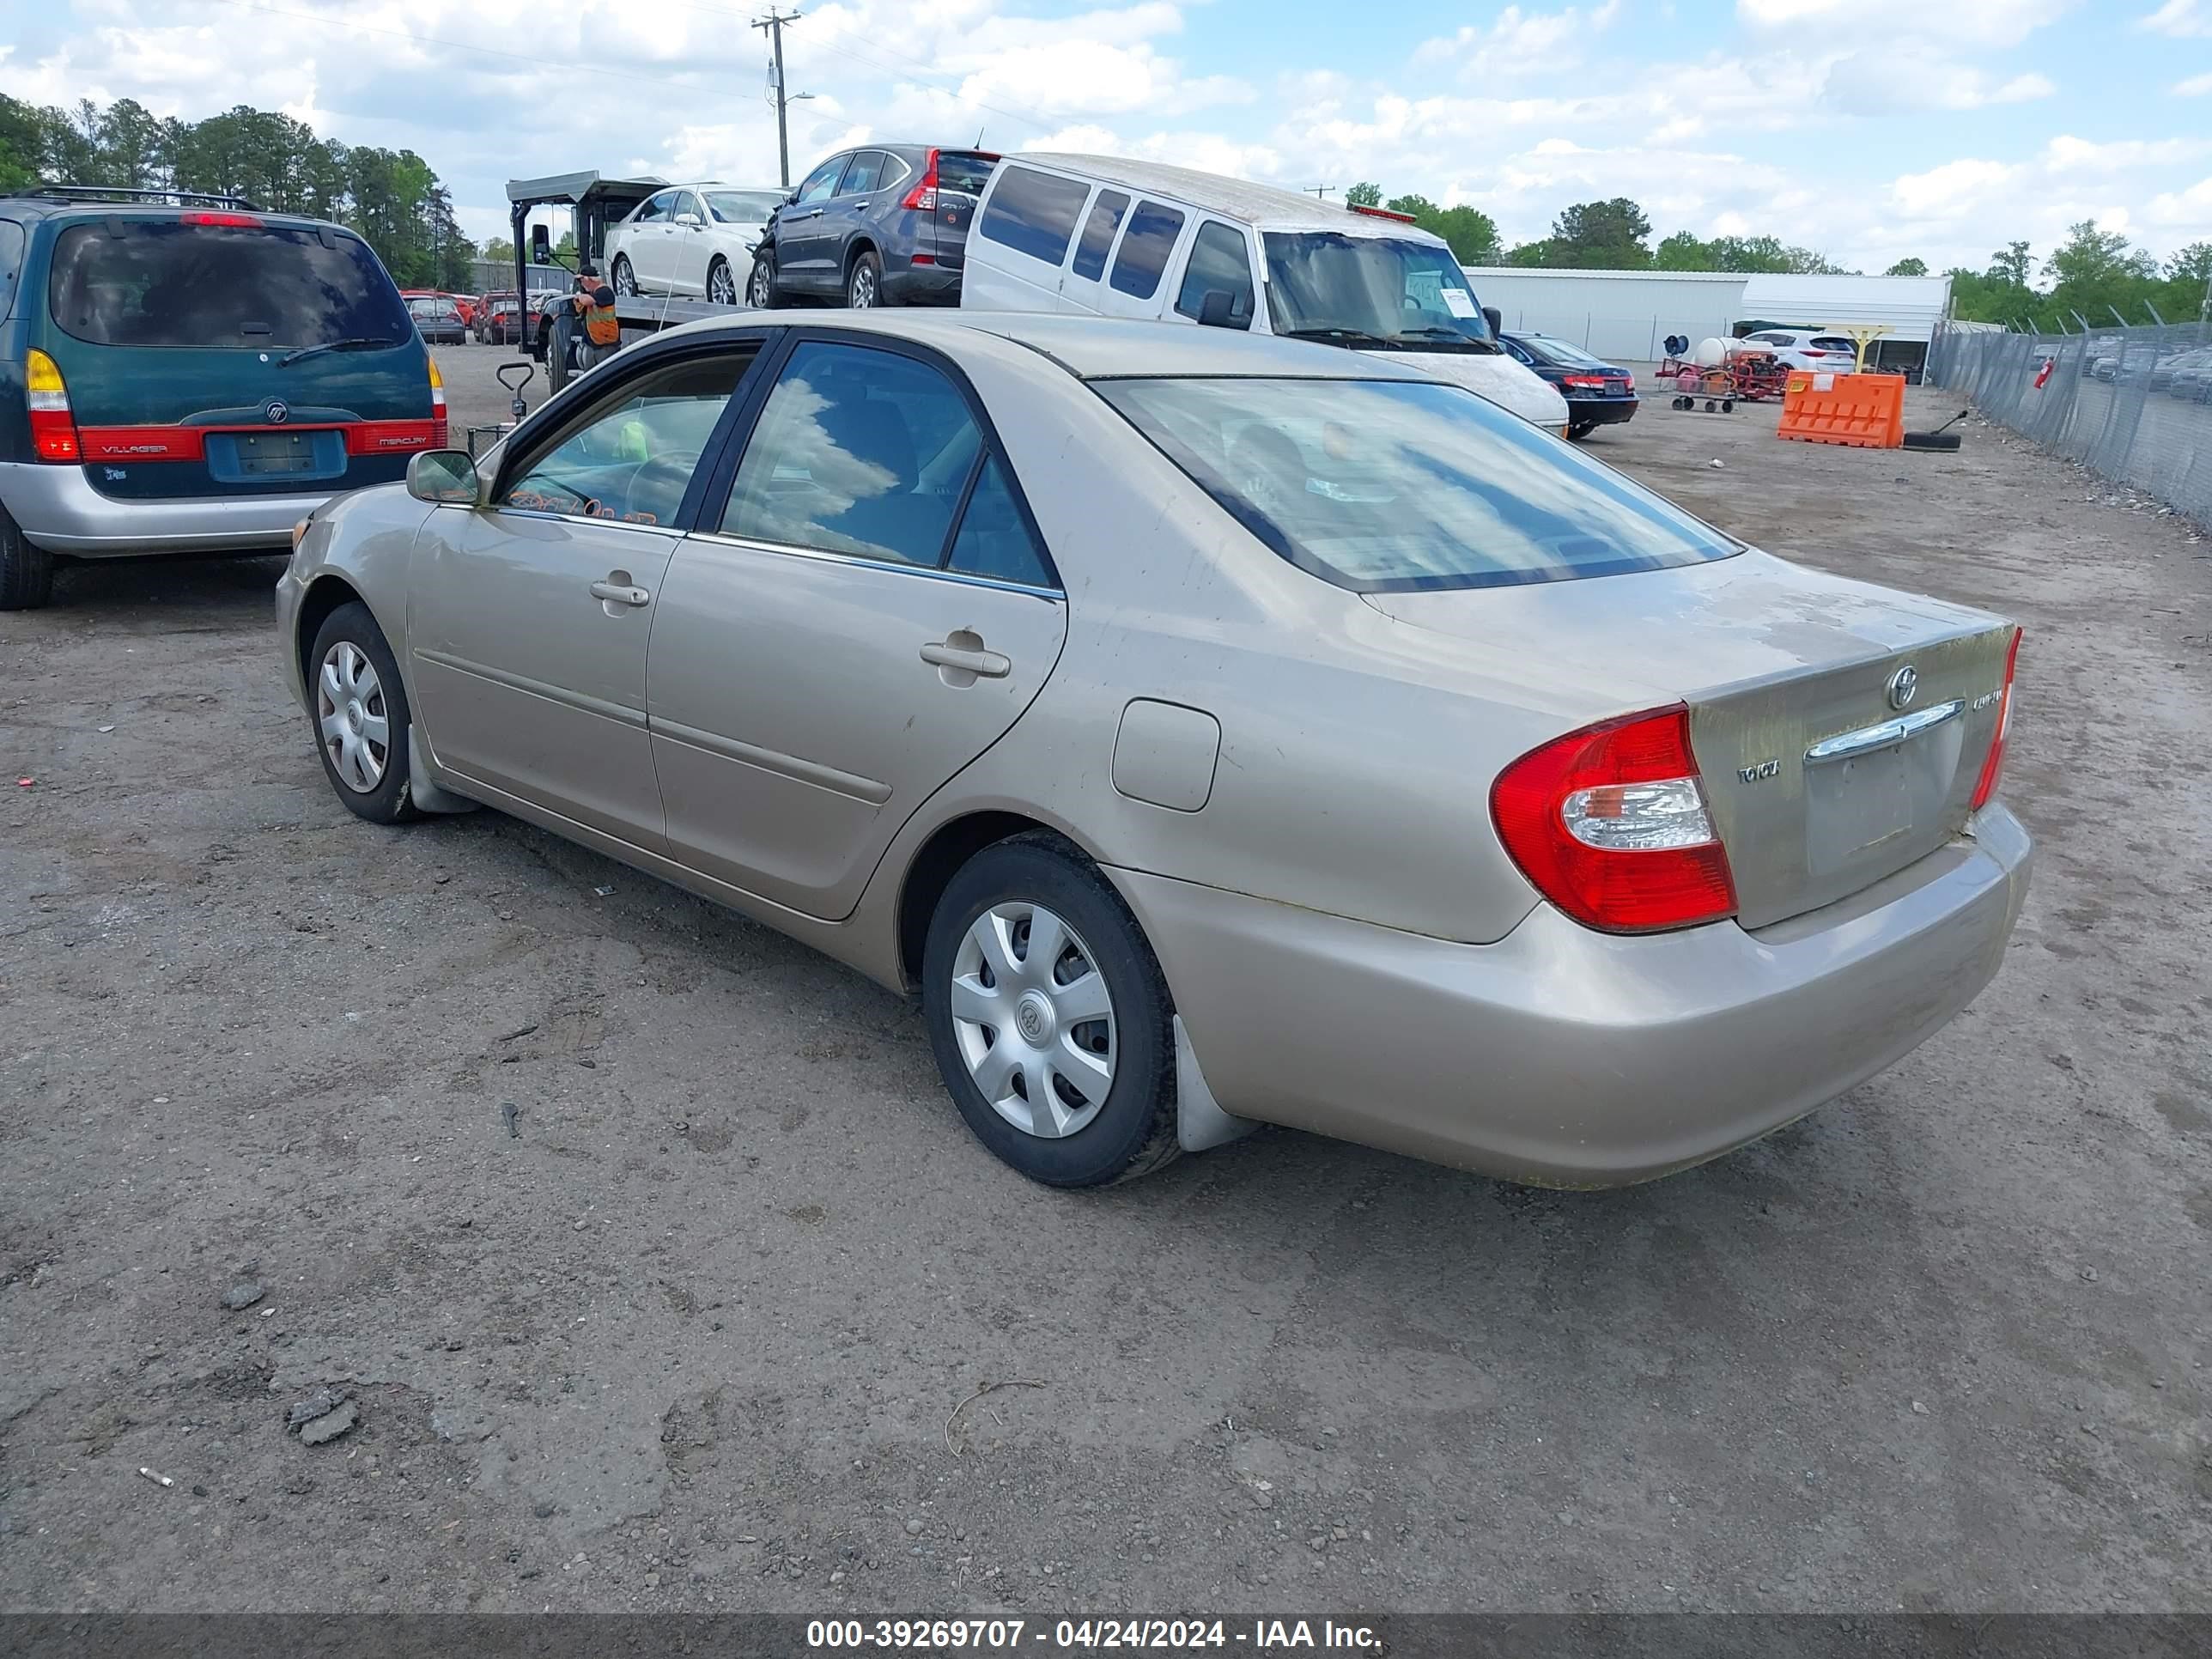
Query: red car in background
[[499, 318], [467, 304]]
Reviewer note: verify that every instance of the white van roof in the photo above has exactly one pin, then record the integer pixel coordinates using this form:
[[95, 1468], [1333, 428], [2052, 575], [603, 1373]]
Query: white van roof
[[1264, 207]]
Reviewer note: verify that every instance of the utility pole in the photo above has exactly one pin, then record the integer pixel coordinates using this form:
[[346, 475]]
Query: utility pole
[[772, 26], [1318, 191]]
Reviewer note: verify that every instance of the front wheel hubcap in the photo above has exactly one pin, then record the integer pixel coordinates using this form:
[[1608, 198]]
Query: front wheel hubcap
[[1034, 1019], [351, 715], [720, 287]]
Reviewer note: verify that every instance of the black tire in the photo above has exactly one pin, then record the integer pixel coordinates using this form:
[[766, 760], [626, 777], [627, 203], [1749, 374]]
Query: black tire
[[26, 571], [760, 284], [1133, 1132], [864, 283], [718, 266], [389, 801], [1581, 429], [1728, 405], [1931, 440], [624, 278]]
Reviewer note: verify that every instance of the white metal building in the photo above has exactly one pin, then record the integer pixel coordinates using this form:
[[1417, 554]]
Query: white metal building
[[1625, 315]]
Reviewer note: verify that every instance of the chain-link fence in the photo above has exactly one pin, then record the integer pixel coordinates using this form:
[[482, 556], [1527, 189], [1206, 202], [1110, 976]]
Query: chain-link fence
[[2134, 405]]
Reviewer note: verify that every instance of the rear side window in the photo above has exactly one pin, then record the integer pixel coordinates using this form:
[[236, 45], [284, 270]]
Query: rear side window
[[155, 283], [1219, 262], [1034, 213], [1146, 246], [994, 537], [865, 174], [11, 262], [1098, 233]]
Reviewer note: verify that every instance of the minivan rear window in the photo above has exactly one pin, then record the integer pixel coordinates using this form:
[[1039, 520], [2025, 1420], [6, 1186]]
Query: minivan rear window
[[964, 170], [1392, 486], [1034, 213], [1146, 246], [166, 282], [11, 262]]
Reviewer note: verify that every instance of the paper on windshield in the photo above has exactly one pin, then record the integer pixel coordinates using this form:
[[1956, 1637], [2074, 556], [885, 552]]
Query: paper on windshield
[[1459, 302]]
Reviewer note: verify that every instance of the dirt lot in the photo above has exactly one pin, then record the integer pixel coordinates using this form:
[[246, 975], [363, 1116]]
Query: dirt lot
[[703, 1332]]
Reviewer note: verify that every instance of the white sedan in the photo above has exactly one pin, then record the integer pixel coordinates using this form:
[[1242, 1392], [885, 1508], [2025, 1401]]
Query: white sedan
[[689, 240]]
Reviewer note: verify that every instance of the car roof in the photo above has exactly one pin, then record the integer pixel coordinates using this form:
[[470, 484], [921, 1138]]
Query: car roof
[[1268, 207], [41, 204], [1114, 347]]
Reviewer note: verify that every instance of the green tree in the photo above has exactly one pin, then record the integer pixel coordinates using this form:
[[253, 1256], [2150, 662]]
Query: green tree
[[1472, 233], [1602, 235], [2010, 264], [1684, 251], [1543, 252], [23, 143], [2096, 272], [1364, 195], [2187, 289], [1416, 205], [1910, 267]]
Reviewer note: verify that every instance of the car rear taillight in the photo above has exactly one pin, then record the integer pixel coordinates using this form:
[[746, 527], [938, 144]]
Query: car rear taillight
[[1610, 824], [227, 221], [923, 196], [1597, 381], [53, 427], [1628, 383], [1993, 765], [437, 406]]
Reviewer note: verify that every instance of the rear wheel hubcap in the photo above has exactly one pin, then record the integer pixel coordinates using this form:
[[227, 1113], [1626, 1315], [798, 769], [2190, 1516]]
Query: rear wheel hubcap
[[863, 288], [1034, 1019]]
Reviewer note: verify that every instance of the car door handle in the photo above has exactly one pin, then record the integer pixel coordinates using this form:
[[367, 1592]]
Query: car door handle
[[621, 593], [816, 213], [985, 664]]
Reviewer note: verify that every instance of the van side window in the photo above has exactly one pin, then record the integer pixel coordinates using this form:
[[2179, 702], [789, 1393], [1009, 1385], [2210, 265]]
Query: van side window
[[1146, 246], [1098, 233], [1034, 213], [1218, 261]]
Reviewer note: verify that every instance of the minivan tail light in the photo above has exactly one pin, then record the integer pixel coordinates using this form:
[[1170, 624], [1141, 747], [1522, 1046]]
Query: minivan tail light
[[923, 196], [1993, 764], [45, 397], [1610, 824], [438, 427]]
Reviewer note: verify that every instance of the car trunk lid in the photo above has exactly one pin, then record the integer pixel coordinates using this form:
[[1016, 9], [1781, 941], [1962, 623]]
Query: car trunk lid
[[1839, 728], [961, 176]]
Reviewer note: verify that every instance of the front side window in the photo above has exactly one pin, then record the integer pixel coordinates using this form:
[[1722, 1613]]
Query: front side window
[[1105, 218], [868, 453], [1218, 264], [1383, 486], [655, 209], [687, 203], [1146, 246], [628, 459], [742, 207], [1372, 291], [818, 184], [1034, 213], [169, 283]]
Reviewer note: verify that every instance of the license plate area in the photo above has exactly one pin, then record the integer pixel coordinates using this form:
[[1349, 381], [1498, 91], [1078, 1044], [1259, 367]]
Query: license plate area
[[262, 457], [1856, 806]]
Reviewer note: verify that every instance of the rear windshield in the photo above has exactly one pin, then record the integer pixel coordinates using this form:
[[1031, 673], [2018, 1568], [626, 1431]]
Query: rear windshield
[[743, 207], [1837, 343], [1559, 353], [1385, 486], [965, 171], [155, 283]]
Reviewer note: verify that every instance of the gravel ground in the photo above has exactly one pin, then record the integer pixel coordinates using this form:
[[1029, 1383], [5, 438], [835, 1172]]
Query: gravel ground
[[704, 1322]]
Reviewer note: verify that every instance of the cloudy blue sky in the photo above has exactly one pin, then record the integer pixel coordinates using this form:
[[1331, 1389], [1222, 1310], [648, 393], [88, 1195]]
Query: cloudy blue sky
[[1870, 129]]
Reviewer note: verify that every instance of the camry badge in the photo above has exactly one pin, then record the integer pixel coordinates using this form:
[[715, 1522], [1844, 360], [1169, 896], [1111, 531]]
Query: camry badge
[[1902, 684]]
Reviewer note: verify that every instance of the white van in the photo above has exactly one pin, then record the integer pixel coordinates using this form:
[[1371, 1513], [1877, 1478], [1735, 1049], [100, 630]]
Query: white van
[[1116, 238]]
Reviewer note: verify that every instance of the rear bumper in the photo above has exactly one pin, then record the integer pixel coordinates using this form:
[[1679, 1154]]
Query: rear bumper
[[1600, 411], [1563, 1057], [923, 285], [59, 511]]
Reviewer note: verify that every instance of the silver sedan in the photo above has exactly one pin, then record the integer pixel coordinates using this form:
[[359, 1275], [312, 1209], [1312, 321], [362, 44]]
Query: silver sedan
[[1213, 731]]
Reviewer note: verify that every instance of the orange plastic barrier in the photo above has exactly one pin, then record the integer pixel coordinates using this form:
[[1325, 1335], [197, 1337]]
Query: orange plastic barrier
[[1864, 411]]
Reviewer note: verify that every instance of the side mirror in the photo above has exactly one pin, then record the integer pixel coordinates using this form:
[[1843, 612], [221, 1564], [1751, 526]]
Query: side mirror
[[541, 246], [1495, 317], [1218, 310], [444, 478], [689, 221], [792, 200]]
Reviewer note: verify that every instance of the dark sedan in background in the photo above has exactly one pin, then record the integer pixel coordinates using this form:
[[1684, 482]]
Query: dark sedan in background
[[1598, 394], [438, 320], [883, 225]]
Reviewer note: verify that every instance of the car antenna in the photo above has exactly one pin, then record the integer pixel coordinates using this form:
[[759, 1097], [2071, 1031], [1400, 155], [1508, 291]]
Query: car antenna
[[979, 138]]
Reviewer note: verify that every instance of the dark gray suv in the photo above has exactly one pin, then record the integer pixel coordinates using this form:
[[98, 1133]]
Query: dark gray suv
[[883, 225]]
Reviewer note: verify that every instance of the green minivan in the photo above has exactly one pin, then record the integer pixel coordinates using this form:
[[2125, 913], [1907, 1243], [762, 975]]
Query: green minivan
[[184, 374]]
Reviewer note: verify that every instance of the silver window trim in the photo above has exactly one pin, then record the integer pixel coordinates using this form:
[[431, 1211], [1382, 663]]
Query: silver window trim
[[832, 556]]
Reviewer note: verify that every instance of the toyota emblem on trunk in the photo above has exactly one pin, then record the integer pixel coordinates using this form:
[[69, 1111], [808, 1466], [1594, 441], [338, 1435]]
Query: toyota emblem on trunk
[[1902, 684], [279, 412]]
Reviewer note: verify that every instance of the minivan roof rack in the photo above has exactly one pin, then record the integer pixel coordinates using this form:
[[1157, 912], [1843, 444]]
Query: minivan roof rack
[[132, 193]]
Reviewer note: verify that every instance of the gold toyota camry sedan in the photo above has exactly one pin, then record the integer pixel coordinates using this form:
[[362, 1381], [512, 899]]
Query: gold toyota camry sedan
[[1213, 731]]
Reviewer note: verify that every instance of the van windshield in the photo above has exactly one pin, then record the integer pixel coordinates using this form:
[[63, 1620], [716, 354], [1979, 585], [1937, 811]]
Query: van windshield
[[1371, 292], [171, 283]]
